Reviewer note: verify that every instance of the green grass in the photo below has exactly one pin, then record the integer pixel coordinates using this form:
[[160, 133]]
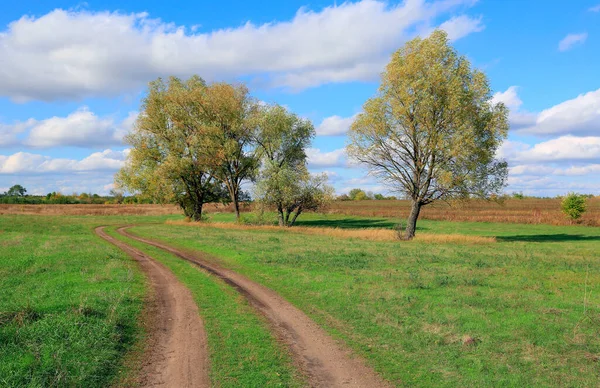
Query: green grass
[[243, 353], [69, 303], [406, 307]]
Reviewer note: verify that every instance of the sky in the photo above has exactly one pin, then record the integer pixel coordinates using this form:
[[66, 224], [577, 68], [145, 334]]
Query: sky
[[72, 75]]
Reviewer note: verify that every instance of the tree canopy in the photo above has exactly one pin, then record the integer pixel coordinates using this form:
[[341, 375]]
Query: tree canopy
[[284, 181], [173, 155], [432, 132]]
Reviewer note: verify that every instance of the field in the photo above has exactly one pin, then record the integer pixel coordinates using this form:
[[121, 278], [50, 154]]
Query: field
[[465, 304], [522, 211]]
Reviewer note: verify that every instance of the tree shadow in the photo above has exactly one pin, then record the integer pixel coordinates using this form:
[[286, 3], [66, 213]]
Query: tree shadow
[[353, 223], [561, 237]]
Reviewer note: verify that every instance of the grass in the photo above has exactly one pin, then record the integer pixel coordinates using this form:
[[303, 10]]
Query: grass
[[524, 311], [68, 307], [523, 211], [372, 234], [243, 353]]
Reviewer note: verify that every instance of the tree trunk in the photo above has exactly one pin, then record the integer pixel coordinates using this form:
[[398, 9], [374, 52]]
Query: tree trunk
[[411, 224], [286, 222], [236, 205], [280, 215], [295, 216]]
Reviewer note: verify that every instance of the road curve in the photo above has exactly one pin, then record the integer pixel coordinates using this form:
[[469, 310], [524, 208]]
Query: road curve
[[324, 361], [177, 353]]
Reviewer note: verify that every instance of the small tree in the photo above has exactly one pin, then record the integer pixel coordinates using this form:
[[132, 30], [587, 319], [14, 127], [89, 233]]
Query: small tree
[[16, 191], [296, 192], [284, 182], [432, 131], [573, 205]]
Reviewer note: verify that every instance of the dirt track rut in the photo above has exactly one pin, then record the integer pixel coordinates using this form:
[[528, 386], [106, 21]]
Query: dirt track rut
[[323, 360], [177, 354]]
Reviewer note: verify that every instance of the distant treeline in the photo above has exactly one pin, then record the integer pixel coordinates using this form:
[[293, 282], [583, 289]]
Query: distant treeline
[[17, 194], [74, 199]]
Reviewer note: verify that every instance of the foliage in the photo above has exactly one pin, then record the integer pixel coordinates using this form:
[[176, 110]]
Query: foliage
[[573, 205], [284, 182], [229, 112], [16, 191], [173, 154], [432, 132]]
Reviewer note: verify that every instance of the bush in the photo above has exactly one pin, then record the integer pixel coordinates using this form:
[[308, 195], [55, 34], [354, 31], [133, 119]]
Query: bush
[[573, 205]]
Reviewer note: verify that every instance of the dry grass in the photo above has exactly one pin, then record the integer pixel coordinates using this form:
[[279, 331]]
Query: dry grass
[[371, 234], [100, 210], [521, 211]]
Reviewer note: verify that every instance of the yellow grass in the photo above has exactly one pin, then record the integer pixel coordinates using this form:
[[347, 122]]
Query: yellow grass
[[364, 234]]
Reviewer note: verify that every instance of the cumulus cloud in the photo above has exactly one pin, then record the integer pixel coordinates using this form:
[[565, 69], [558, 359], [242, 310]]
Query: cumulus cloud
[[595, 8], [318, 158], [9, 132], [578, 116], [572, 40], [74, 54], [28, 163], [542, 169], [81, 128], [334, 126], [562, 149]]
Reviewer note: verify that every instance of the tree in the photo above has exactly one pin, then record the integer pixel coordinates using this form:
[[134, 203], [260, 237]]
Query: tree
[[282, 138], [230, 111], [296, 191], [172, 153], [357, 194], [573, 205], [432, 131], [16, 191]]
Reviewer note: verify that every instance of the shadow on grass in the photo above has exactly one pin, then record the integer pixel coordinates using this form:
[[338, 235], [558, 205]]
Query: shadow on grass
[[354, 223], [548, 238]]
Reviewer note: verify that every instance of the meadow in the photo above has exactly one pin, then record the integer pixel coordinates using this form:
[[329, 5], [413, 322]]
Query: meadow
[[505, 304], [511, 210]]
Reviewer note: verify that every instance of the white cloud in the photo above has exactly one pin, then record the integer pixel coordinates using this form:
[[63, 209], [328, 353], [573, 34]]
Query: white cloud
[[461, 26], [541, 170], [334, 126], [595, 8], [27, 163], [81, 128], [509, 98], [571, 40], [8, 133], [562, 149], [578, 116], [317, 158], [74, 54]]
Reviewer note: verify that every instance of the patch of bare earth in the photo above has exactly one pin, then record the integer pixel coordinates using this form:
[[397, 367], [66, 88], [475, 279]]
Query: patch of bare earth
[[324, 361], [176, 353]]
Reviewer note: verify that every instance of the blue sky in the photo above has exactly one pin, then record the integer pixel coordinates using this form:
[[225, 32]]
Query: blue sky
[[72, 75]]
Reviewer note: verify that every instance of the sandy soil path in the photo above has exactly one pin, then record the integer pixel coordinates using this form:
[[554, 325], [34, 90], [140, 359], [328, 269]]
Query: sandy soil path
[[177, 354], [323, 360]]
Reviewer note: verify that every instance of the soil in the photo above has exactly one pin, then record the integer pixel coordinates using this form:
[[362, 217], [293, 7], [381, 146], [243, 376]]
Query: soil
[[176, 351], [324, 361]]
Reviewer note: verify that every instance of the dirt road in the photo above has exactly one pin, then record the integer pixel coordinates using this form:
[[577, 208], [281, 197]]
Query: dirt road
[[177, 348], [323, 360]]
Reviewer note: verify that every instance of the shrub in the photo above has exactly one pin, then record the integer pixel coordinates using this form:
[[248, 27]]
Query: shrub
[[573, 205]]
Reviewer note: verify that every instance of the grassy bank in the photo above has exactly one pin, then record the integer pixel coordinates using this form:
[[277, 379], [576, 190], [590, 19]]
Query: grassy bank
[[243, 353], [523, 311], [69, 304]]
